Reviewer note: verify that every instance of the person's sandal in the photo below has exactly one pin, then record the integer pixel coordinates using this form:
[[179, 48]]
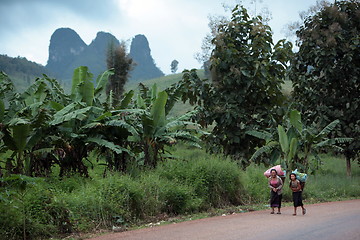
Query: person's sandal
[[278, 213], [272, 213], [304, 211], [294, 214]]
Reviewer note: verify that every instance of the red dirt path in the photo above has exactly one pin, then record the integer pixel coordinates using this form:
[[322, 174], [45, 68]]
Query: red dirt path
[[331, 221]]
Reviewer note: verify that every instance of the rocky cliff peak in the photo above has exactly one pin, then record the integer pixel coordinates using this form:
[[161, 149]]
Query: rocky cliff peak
[[68, 51], [65, 46], [141, 54]]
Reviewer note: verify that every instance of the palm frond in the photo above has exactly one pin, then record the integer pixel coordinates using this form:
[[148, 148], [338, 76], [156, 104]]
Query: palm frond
[[188, 115], [259, 134], [135, 111], [79, 114], [110, 145], [184, 135], [92, 125], [343, 140], [42, 151], [18, 121], [125, 125], [264, 149], [101, 82], [127, 99], [181, 124], [331, 126]]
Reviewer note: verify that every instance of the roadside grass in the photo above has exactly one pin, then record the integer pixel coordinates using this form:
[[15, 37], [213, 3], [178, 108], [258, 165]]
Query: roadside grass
[[193, 185]]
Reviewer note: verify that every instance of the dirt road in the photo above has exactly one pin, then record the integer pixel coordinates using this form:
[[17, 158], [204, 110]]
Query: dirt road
[[330, 221]]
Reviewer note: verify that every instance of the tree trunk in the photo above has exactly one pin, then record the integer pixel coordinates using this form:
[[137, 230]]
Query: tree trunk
[[348, 167]]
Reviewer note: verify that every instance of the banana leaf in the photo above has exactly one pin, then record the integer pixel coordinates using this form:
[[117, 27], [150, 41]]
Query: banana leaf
[[127, 99], [283, 139], [158, 110], [295, 120], [102, 81]]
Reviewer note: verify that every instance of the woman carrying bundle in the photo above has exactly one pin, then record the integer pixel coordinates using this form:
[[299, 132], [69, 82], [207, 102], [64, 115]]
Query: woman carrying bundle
[[275, 183], [297, 193]]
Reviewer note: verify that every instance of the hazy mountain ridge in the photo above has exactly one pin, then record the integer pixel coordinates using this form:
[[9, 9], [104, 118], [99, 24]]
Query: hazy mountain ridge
[[21, 71], [68, 51], [11, 65]]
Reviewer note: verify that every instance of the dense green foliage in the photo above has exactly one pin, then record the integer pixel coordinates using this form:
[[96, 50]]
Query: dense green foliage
[[83, 161], [326, 70], [43, 126], [13, 65], [22, 71], [195, 182], [75, 204], [245, 92], [296, 145]]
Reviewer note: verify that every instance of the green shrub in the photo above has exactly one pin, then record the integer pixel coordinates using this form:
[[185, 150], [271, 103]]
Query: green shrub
[[28, 207], [163, 195], [256, 185], [11, 220], [106, 202], [58, 206], [216, 181], [66, 184], [178, 198]]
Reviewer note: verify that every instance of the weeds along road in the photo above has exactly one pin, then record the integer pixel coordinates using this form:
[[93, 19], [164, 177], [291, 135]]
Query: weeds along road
[[330, 221]]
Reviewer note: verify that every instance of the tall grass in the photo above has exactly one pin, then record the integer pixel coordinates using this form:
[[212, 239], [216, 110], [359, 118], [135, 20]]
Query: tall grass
[[192, 182]]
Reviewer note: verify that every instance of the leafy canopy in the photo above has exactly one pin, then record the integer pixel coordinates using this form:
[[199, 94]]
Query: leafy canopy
[[245, 94], [326, 70]]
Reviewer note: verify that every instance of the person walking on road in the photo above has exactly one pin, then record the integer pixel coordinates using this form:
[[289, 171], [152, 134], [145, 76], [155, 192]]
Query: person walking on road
[[275, 183], [296, 193]]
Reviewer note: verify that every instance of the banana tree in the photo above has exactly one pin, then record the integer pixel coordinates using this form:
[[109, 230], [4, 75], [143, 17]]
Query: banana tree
[[149, 128], [296, 145], [24, 129], [109, 132], [76, 121]]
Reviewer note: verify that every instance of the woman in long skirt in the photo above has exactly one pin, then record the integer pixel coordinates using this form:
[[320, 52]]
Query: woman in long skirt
[[297, 193], [275, 183]]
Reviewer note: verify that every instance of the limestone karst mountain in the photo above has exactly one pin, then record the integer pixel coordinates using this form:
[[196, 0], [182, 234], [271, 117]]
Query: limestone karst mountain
[[68, 51], [145, 67]]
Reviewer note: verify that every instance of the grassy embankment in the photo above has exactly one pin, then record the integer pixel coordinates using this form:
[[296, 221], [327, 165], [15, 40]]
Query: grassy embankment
[[194, 185]]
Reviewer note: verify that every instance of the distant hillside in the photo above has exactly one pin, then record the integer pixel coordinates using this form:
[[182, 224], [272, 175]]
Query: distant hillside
[[68, 51], [21, 71], [162, 82], [12, 65]]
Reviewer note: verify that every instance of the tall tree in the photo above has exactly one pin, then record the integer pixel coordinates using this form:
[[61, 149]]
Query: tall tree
[[121, 63], [245, 94], [217, 21], [174, 66], [325, 71], [292, 27]]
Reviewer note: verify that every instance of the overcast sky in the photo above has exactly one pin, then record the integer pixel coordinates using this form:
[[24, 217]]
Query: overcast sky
[[174, 28]]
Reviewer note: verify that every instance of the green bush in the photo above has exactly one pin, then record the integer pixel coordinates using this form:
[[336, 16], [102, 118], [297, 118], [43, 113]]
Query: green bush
[[178, 198], [106, 202], [256, 185], [58, 206], [216, 181], [163, 195], [29, 208], [11, 220]]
